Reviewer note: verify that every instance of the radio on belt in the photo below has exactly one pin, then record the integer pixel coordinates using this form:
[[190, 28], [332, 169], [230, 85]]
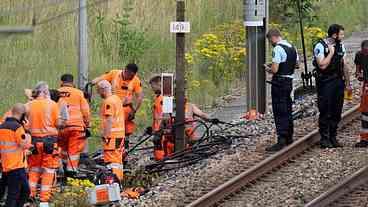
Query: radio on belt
[[167, 91]]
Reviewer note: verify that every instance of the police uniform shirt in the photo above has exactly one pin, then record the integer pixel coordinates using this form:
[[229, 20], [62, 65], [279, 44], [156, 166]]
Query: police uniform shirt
[[279, 54], [319, 50]]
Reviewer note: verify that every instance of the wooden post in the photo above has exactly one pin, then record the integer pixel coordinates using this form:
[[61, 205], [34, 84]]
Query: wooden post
[[180, 80]]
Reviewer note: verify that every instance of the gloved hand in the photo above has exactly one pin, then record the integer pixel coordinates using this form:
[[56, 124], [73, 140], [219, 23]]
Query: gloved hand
[[87, 132], [131, 115], [214, 121], [148, 131]]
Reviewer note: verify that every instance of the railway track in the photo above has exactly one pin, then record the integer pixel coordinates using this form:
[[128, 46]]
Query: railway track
[[353, 191], [240, 190]]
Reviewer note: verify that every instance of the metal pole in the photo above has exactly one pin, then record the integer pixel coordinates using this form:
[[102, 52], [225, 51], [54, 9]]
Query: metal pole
[[251, 68], [83, 45], [261, 74], [83, 51], [180, 84], [256, 58], [302, 36], [18, 29]]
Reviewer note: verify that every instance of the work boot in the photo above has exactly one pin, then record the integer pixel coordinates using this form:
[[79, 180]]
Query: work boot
[[44, 204], [334, 142], [281, 143], [325, 143], [70, 174], [289, 141], [362, 143]]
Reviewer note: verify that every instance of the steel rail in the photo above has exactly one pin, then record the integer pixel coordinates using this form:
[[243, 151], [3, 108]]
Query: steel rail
[[267, 165], [349, 184]]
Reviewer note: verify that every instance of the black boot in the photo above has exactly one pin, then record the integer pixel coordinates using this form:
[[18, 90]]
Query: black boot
[[281, 143], [334, 142], [70, 174], [325, 143], [362, 143], [289, 141]]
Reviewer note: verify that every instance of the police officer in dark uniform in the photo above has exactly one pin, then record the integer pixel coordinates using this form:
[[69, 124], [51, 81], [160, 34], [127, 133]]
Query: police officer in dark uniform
[[284, 62], [331, 78]]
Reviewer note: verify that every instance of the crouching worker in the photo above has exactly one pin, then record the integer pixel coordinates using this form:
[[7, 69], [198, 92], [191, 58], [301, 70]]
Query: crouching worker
[[13, 142], [361, 62], [44, 120], [113, 131], [164, 143]]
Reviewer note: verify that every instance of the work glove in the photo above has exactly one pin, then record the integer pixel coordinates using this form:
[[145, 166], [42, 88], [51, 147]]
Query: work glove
[[214, 121], [131, 115], [148, 131], [87, 132]]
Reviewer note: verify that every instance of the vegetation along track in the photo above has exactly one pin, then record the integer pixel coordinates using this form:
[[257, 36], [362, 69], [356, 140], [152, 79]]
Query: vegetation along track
[[295, 175]]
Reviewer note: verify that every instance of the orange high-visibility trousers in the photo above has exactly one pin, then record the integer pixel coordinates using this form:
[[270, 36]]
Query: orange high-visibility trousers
[[129, 124], [42, 169], [364, 110], [113, 160], [72, 143], [113, 155]]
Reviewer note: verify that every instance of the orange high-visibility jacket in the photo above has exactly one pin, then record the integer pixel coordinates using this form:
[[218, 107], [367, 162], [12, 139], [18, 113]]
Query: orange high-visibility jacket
[[43, 116], [157, 113], [12, 154], [112, 106], [123, 88], [78, 108]]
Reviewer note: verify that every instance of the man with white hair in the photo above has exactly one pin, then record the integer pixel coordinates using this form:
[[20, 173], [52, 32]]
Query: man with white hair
[[112, 128], [43, 117]]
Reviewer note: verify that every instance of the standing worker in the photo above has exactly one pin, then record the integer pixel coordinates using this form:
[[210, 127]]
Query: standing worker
[[331, 72], [361, 62], [13, 142], [112, 128], [127, 85], [73, 135], [284, 62], [43, 117]]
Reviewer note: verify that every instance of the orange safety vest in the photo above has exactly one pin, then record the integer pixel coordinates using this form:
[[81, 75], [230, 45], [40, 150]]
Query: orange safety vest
[[112, 106], [12, 154], [157, 113], [42, 117], [78, 108], [123, 88]]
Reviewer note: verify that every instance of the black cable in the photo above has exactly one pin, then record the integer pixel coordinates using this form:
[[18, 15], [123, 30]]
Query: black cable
[[96, 2]]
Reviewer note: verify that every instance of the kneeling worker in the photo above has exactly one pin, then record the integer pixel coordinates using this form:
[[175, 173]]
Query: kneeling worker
[[13, 142], [113, 129], [191, 111]]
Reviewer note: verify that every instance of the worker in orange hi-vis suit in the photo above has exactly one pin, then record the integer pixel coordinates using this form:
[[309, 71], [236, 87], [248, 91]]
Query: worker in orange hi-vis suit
[[361, 62], [126, 84], [112, 126], [43, 118], [3, 186], [13, 143], [191, 112], [73, 135]]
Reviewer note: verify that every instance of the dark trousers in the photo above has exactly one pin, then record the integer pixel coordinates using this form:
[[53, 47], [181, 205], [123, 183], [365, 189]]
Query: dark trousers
[[282, 108], [18, 188], [330, 100], [2, 186]]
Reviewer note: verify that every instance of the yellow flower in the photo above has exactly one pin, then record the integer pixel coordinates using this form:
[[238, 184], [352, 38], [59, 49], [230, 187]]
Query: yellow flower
[[189, 58]]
